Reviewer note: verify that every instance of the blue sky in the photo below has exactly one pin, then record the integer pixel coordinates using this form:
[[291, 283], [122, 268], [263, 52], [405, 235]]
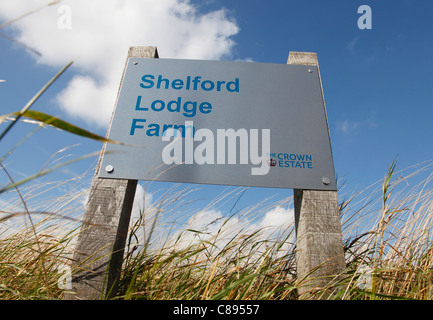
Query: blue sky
[[377, 83]]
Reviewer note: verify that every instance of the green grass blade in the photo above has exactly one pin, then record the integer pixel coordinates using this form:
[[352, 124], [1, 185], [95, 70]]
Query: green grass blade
[[63, 125], [225, 292]]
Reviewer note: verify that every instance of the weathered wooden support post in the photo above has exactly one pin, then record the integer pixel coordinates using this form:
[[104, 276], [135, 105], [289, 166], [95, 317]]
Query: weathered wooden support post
[[320, 254], [98, 255]]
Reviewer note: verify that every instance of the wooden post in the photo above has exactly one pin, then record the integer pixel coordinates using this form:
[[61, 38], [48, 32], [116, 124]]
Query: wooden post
[[320, 255], [99, 253]]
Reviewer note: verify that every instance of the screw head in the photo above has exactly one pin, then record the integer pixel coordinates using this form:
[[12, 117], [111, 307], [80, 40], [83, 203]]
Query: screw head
[[109, 168], [135, 63], [326, 181], [310, 71]]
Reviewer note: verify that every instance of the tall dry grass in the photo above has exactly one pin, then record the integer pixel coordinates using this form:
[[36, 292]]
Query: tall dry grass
[[387, 239], [388, 231], [36, 238], [229, 258]]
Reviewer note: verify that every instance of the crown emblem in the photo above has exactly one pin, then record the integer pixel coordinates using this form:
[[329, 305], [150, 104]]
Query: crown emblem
[[272, 162]]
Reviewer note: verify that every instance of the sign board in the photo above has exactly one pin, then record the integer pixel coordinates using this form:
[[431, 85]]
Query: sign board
[[216, 122]]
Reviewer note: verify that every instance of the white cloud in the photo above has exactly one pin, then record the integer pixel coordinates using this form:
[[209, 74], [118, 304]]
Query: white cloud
[[142, 201], [215, 227], [85, 99], [354, 127], [213, 221], [278, 217], [138, 206], [347, 126], [210, 225], [100, 35]]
